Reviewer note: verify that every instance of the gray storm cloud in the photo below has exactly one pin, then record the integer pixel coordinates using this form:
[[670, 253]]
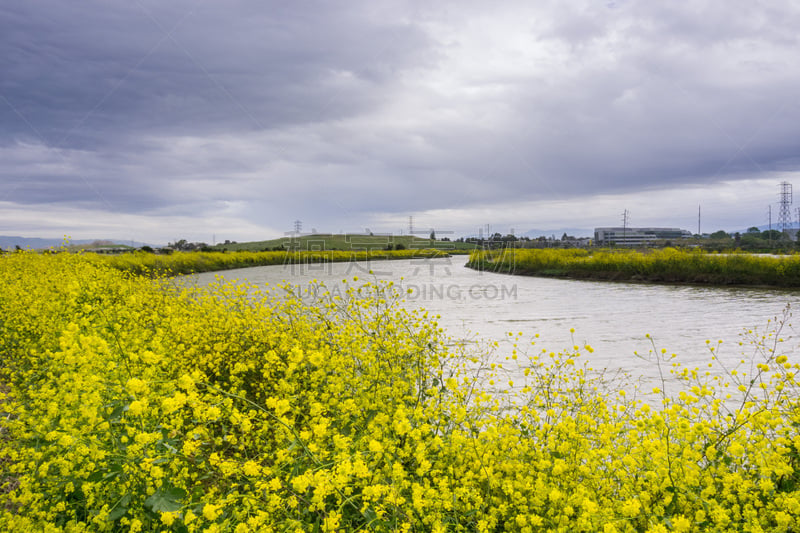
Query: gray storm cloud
[[364, 111]]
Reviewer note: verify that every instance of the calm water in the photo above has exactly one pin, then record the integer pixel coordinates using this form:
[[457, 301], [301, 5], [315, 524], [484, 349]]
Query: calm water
[[614, 318]]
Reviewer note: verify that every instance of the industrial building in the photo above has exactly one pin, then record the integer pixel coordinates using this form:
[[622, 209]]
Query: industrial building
[[636, 236]]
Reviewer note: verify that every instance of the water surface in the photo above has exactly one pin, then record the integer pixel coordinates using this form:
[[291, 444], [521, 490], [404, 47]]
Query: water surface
[[614, 318]]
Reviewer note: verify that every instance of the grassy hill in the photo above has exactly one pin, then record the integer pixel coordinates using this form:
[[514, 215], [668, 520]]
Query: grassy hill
[[359, 242]]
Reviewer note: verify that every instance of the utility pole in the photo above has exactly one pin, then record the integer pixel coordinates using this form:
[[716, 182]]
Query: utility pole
[[698, 221], [770, 226], [626, 215]]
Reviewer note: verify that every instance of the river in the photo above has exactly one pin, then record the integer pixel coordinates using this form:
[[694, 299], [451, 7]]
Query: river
[[614, 318]]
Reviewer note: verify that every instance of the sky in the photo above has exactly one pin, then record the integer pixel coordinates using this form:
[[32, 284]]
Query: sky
[[201, 120]]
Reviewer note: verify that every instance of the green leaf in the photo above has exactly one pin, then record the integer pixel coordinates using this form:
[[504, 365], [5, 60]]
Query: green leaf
[[111, 472], [165, 500], [120, 509]]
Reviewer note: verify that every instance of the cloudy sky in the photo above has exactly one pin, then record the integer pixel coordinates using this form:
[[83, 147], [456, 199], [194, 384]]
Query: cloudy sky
[[153, 120]]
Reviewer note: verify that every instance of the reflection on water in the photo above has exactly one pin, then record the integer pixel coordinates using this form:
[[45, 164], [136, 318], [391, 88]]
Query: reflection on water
[[614, 318]]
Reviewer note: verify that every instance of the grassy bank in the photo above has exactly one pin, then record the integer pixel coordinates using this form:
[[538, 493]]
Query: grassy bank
[[666, 265], [132, 404], [143, 263]]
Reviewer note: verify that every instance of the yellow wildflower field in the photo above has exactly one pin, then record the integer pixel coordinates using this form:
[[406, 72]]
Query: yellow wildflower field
[[136, 404]]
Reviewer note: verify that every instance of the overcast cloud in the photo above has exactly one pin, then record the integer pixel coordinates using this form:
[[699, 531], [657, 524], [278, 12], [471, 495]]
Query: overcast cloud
[[156, 121]]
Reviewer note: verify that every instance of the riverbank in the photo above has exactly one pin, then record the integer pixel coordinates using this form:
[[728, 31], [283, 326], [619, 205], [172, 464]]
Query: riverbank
[[154, 265], [667, 265]]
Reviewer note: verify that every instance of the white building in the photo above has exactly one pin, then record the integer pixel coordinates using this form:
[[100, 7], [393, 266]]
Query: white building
[[636, 236]]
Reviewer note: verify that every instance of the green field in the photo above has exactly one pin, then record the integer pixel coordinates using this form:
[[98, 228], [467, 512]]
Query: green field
[[346, 242]]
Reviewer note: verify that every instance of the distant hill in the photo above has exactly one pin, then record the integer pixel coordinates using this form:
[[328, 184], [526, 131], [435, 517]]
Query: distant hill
[[35, 243], [326, 241]]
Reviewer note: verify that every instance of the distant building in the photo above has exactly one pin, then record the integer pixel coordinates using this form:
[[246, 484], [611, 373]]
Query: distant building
[[636, 236]]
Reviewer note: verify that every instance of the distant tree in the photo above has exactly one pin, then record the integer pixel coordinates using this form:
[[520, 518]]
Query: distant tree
[[147, 249], [753, 229], [721, 234], [433, 235], [751, 240], [399, 246], [772, 235]]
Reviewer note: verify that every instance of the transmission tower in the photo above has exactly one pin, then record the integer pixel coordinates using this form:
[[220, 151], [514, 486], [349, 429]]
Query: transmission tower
[[411, 225], [785, 215], [298, 225]]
